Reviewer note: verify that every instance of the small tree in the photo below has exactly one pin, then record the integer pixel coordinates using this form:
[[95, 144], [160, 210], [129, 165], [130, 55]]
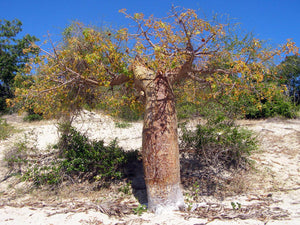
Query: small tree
[[161, 54], [12, 57], [289, 75]]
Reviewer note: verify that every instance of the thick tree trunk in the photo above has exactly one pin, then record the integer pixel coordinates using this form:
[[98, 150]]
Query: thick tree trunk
[[160, 147]]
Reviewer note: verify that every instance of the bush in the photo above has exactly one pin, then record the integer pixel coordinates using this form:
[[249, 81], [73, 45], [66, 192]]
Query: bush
[[124, 112], [91, 159], [122, 124], [17, 157], [80, 159], [278, 106], [263, 104], [186, 110], [219, 142], [32, 116], [40, 175], [5, 129]]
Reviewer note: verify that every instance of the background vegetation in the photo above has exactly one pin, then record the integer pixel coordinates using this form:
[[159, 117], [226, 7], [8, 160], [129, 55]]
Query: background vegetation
[[13, 57]]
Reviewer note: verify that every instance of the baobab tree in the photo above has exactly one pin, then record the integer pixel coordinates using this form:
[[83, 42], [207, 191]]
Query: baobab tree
[[160, 53]]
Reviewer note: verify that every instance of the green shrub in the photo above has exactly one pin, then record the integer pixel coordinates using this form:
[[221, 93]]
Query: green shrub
[[219, 142], [128, 114], [279, 105], [80, 159], [271, 109], [77, 159], [5, 129], [140, 209], [124, 112], [250, 106], [186, 110], [17, 156], [32, 116], [40, 175], [24, 160], [92, 158], [122, 124]]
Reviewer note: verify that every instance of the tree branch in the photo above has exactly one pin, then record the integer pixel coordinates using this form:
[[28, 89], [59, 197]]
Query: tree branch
[[55, 88], [195, 78], [143, 33], [120, 79], [211, 71]]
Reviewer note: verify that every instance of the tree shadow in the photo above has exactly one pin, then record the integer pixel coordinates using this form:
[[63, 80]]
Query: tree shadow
[[196, 175], [135, 174]]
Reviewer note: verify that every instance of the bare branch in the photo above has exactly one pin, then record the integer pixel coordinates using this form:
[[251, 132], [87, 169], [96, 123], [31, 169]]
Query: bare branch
[[195, 78], [206, 41], [211, 71], [81, 77], [47, 53], [189, 46], [143, 32], [57, 87], [120, 79]]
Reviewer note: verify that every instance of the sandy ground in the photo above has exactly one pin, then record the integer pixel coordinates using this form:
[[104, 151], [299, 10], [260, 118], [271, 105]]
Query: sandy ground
[[273, 196]]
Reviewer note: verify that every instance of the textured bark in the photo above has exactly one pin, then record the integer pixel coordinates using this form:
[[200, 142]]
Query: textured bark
[[160, 142]]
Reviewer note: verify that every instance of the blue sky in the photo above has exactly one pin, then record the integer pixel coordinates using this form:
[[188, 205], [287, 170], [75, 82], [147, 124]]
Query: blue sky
[[273, 20]]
